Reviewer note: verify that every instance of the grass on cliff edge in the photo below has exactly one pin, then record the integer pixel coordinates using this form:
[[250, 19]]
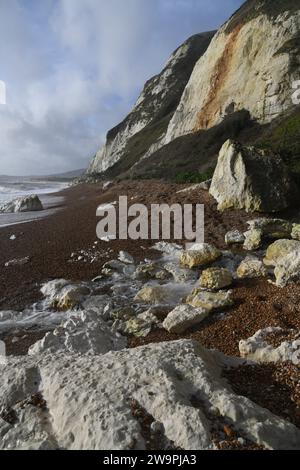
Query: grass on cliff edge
[[284, 138], [251, 9]]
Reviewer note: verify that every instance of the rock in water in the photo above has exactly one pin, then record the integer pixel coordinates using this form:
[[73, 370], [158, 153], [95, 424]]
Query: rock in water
[[201, 254], [30, 203], [88, 400], [250, 179]]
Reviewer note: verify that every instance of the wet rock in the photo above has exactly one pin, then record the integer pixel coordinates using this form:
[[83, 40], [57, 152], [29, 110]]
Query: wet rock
[[149, 271], [210, 300], [151, 294], [251, 267], [89, 400], [85, 334], [30, 203], [117, 266], [70, 297], [216, 278], [184, 317], [235, 237], [259, 350], [180, 275], [253, 239], [251, 179], [201, 255], [280, 249], [126, 258]]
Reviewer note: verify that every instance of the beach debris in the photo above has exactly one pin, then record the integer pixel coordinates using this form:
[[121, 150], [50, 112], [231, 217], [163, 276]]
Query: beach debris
[[107, 185], [251, 267], [125, 257], [216, 278], [31, 203], [17, 261], [184, 317], [89, 399], [200, 254]]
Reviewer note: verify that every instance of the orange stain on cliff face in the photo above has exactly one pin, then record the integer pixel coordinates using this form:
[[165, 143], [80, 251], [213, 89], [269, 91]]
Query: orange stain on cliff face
[[212, 106]]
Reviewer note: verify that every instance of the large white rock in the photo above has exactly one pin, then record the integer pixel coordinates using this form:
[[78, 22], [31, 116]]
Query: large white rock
[[184, 317], [89, 400], [259, 350], [30, 203], [250, 179], [85, 333]]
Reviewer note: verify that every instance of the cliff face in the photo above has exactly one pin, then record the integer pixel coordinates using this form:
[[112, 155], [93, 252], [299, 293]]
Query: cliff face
[[203, 93], [251, 64], [155, 106]]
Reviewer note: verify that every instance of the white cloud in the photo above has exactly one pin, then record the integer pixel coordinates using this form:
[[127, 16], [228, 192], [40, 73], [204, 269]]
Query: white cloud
[[73, 69]]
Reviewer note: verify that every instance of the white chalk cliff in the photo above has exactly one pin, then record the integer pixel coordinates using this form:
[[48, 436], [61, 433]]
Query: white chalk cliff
[[250, 64]]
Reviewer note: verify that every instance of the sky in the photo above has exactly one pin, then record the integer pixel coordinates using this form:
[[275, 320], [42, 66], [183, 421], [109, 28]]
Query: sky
[[73, 69]]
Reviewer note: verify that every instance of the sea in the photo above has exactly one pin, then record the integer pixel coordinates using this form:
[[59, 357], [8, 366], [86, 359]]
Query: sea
[[11, 189]]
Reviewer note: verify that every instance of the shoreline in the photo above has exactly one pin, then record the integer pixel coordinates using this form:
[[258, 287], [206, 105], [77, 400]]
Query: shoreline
[[51, 241]]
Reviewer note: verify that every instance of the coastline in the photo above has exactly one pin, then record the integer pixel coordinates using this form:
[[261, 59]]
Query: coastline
[[50, 242]]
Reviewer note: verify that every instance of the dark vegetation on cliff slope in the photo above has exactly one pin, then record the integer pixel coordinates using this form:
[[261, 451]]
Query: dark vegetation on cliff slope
[[192, 158], [193, 153], [251, 9]]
